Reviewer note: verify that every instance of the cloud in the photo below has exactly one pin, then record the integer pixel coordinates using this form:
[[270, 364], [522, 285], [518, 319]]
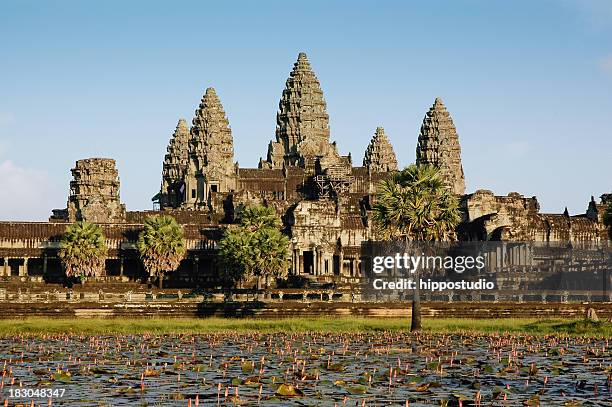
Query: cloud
[[606, 64], [24, 193]]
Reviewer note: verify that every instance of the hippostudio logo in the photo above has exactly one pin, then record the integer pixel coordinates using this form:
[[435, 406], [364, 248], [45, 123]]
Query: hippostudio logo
[[403, 262]]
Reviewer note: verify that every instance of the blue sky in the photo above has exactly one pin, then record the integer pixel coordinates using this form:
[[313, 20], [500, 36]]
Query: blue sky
[[528, 84]]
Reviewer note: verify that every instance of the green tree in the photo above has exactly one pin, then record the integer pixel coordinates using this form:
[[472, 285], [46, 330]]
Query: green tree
[[83, 250], [255, 217], [273, 259], [161, 244], [236, 254], [415, 205], [256, 247]]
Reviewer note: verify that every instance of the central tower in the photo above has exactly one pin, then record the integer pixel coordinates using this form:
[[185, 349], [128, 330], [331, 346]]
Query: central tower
[[302, 122], [438, 145]]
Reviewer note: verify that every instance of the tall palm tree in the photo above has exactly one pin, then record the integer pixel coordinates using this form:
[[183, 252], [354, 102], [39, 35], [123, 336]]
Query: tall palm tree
[[161, 245], [273, 259], [415, 205], [83, 250]]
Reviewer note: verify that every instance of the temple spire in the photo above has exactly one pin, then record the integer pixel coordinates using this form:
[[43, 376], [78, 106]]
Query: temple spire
[[178, 147], [379, 155], [211, 151], [211, 132], [438, 145], [302, 129], [176, 163]]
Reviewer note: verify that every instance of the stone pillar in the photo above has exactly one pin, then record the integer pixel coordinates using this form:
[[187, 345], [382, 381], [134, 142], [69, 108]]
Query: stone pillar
[[44, 264], [24, 272], [5, 267], [196, 268], [120, 265], [322, 260], [300, 260], [314, 262]]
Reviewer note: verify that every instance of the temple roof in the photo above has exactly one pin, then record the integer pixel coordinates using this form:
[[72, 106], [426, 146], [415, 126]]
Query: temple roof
[[210, 124], [211, 137], [379, 156], [303, 99], [438, 145], [302, 121], [177, 158]]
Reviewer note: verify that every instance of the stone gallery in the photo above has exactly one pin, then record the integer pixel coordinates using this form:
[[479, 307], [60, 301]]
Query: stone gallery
[[324, 199]]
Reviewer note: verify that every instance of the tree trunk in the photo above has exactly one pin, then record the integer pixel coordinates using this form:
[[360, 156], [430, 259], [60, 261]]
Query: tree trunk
[[160, 281], [415, 323]]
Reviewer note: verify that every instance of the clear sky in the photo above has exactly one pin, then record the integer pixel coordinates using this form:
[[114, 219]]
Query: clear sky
[[528, 84]]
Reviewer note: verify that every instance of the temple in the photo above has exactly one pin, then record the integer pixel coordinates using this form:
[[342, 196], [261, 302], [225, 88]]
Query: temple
[[323, 199]]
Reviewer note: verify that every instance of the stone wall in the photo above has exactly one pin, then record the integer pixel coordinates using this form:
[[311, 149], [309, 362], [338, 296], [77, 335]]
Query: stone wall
[[94, 192], [187, 309]]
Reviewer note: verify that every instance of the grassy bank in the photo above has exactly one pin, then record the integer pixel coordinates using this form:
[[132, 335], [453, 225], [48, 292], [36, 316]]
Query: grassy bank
[[347, 324]]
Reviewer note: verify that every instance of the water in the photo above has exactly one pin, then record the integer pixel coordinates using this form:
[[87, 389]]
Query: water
[[373, 369]]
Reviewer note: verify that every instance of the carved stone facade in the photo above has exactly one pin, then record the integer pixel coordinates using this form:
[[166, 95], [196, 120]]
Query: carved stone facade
[[379, 155], [516, 218], [438, 145], [302, 123], [211, 154], [176, 164], [325, 202], [94, 192]]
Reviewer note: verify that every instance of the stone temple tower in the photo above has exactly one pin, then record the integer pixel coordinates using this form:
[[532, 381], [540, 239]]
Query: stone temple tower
[[211, 153], [438, 145], [302, 122], [94, 192], [379, 156], [176, 164]]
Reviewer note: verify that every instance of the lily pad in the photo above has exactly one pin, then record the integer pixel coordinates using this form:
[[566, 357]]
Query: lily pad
[[288, 390]]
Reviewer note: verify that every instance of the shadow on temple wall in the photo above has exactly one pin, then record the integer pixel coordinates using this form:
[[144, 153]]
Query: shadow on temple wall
[[228, 209], [52, 269], [229, 308], [574, 284]]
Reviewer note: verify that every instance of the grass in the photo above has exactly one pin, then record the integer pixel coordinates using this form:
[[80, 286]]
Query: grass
[[41, 326]]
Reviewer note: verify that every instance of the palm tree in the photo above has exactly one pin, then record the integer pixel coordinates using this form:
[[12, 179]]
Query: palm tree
[[256, 247], [83, 250], [237, 254], [273, 259], [415, 205], [161, 245], [257, 217]]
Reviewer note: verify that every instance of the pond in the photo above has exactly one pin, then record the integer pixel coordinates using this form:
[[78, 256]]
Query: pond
[[306, 369]]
